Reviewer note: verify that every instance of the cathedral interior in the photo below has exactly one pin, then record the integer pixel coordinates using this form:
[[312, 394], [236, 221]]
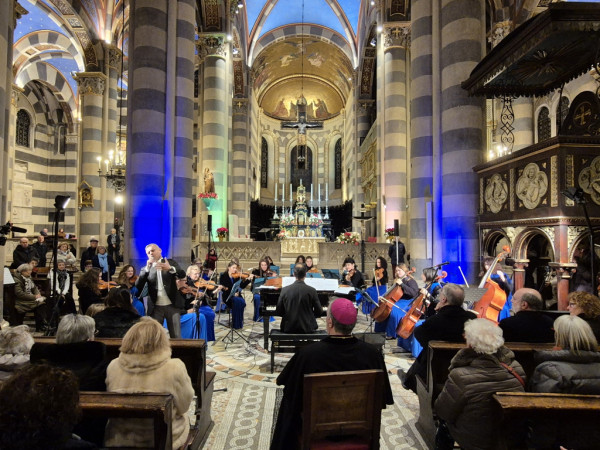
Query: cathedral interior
[[461, 120]]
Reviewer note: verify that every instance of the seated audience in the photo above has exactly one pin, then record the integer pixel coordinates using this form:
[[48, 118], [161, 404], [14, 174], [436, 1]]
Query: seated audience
[[23, 253], [76, 350], [61, 292], [41, 249], [94, 309], [40, 407], [338, 352], [587, 307], [529, 324], [64, 254], [145, 365], [89, 289], [28, 298], [299, 304], [572, 369], [15, 344], [103, 261], [118, 316], [465, 404]]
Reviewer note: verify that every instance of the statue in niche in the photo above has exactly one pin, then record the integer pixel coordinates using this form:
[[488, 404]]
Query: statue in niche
[[496, 193], [209, 181], [86, 195]]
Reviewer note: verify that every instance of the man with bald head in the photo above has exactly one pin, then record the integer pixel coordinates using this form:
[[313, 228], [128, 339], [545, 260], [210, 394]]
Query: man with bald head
[[529, 323]]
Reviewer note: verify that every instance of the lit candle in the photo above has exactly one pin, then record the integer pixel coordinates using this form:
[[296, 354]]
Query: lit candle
[[291, 190], [276, 184], [326, 191], [282, 192], [99, 158], [106, 162], [319, 197], [311, 193]]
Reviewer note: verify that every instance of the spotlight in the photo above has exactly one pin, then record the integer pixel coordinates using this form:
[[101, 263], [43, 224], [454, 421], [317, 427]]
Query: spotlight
[[379, 28], [61, 202], [119, 199], [240, 4], [373, 42]]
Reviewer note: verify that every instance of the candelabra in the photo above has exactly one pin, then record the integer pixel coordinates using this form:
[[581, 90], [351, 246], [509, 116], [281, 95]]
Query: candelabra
[[326, 216], [115, 171], [276, 216]]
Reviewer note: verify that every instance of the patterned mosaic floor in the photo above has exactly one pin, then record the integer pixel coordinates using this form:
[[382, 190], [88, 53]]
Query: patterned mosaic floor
[[243, 414]]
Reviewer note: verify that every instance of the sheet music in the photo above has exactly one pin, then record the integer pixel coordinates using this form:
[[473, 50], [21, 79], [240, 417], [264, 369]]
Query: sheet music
[[8, 279], [320, 284], [344, 290]]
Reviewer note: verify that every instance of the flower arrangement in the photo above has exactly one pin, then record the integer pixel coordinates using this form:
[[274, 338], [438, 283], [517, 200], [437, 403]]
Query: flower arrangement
[[389, 233], [222, 232], [287, 220], [349, 238], [314, 221], [212, 195], [281, 235]]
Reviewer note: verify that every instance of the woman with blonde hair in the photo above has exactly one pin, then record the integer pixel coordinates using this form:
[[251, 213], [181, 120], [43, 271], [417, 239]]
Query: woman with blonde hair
[[145, 365], [64, 254]]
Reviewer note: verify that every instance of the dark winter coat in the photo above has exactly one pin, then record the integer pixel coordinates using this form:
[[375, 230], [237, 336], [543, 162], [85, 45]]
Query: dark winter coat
[[561, 371], [114, 322]]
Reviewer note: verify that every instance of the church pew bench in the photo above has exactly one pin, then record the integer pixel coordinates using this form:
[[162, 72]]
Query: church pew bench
[[158, 407], [439, 357], [290, 342], [193, 354], [563, 413]]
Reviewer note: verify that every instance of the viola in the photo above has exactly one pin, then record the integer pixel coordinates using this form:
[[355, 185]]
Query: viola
[[417, 309], [102, 285], [133, 279], [492, 302]]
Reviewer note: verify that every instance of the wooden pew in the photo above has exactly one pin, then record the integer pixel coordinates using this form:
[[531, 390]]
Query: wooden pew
[[157, 407], [193, 354], [564, 416], [439, 357]]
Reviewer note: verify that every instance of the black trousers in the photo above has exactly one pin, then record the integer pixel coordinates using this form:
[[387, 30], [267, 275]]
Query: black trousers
[[40, 313], [173, 317]]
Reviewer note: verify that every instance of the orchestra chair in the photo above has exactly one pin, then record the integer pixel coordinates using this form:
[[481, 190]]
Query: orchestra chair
[[274, 269], [342, 410], [292, 269]]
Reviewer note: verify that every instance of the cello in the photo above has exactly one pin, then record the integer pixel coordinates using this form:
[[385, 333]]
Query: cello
[[417, 309], [388, 301], [492, 302]]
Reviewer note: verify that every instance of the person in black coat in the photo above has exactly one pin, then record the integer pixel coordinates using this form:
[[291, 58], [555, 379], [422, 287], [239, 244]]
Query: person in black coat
[[113, 244], [529, 324], [89, 253], [41, 249], [298, 305], [446, 325], [119, 315], [396, 253], [160, 275], [23, 253], [89, 289], [236, 302]]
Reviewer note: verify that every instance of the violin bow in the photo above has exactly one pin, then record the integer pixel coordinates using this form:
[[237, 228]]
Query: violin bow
[[382, 298]]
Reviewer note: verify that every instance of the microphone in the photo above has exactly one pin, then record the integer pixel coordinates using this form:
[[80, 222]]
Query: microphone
[[11, 227], [445, 263]]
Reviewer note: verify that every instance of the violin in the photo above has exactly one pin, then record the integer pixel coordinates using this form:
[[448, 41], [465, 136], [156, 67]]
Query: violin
[[379, 273], [102, 285], [204, 284], [313, 270], [492, 302], [348, 276], [133, 279], [417, 309], [186, 289], [242, 275]]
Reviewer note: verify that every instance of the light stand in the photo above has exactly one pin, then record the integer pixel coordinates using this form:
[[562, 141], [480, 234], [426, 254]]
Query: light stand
[[576, 194], [60, 203]]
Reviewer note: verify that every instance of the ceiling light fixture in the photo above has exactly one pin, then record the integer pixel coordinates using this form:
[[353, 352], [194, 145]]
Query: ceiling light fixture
[[240, 4]]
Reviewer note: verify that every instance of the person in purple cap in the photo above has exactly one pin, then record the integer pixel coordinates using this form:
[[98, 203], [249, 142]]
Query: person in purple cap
[[338, 352]]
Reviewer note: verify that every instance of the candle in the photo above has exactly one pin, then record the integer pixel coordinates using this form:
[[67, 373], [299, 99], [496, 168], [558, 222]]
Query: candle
[[300, 181], [282, 192], [291, 198], [276, 184], [319, 197], [311, 193], [106, 162], [99, 158], [326, 191]]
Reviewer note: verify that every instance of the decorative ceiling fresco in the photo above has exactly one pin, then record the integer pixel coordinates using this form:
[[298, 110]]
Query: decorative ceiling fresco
[[281, 77]]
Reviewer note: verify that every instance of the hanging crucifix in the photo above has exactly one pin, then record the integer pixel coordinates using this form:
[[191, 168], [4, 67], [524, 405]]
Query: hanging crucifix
[[302, 125]]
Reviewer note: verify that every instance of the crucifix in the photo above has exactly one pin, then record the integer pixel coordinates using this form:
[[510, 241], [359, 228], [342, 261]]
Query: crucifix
[[302, 124]]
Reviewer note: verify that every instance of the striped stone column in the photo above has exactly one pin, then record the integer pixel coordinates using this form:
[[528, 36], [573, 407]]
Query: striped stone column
[[396, 39], [240, 178], [92, 87], [462, 29], [214, 150], [160, 128], [523, 124], [421, 130]]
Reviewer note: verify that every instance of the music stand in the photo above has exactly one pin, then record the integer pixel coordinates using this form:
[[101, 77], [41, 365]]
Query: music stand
[[232, 331], [368, 298], [197, 328]]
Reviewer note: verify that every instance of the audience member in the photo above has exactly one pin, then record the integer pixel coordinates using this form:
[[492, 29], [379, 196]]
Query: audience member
[[338, 352], [64, 254], [23, 253], [61, 293], [89, 253], [118, 316], [15, 344], [145, 365], [94, 309], [298, 305], [28, 298], [104, 262], [465, 404], [529, 324], [41, 248], [76, 350], [446, 325], [40, 407], [89, 289], [113, 244], [587, 307]]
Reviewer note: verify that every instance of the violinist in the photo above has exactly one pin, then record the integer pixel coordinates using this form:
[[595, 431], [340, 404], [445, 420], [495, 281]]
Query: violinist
[[410, 289], [381, 274], [89, 289], [429, 277], [236, 302], [310, 267], [300, 260], [351, 276], [263, 271], [127, 279], [196, 297]]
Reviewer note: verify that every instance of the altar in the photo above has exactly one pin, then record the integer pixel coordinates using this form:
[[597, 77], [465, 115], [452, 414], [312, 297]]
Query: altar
[[299, 224], [300, 246]]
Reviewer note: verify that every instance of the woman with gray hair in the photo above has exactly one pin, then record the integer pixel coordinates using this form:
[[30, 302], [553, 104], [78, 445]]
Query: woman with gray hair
[[486, 366], [15, 344], [28, 298], [76, 350]]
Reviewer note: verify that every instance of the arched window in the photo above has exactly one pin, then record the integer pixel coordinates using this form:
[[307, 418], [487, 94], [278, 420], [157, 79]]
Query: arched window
[[264, 164], [301, 161], [23, 127], [338, 164], [562, 109], [543, 125]]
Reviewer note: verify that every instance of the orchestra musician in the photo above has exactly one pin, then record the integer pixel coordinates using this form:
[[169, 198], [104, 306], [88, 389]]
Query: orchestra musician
[[300, 259], [236, 302], [381, 274], [211, 259], [310, 267], [379, 284], [429, 278], [350, 276], [127, 279], [503, 281], [263, 271], [197, 297], [89, 289], [410, 289]]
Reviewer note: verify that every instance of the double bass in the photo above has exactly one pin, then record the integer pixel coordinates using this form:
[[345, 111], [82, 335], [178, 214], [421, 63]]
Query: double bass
[[492, 302], [417, 309]]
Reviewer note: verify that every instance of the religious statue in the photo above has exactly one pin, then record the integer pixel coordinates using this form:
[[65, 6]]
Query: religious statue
[[301, 209], [496, 193], [532, 186], [209, 181]]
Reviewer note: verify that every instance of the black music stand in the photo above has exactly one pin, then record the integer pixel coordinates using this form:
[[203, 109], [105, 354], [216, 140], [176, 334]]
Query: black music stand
[[368, 298], [232, 331], [197, 327]]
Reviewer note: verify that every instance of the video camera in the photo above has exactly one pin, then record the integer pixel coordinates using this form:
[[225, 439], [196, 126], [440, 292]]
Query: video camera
[[5, 229]]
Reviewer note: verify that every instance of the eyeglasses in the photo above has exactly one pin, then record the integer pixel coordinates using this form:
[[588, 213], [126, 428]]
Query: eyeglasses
[[572, 304]]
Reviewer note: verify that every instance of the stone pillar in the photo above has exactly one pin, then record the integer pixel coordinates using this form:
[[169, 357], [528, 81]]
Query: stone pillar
[[214, 149], [563, 278], [519, 273], [160, 128], [421, 240], [396, 39], [462, 29], [240, 178], [92, 86]]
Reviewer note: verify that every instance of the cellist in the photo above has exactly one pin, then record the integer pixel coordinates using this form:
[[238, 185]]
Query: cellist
[[410, 290], [504, 282]]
